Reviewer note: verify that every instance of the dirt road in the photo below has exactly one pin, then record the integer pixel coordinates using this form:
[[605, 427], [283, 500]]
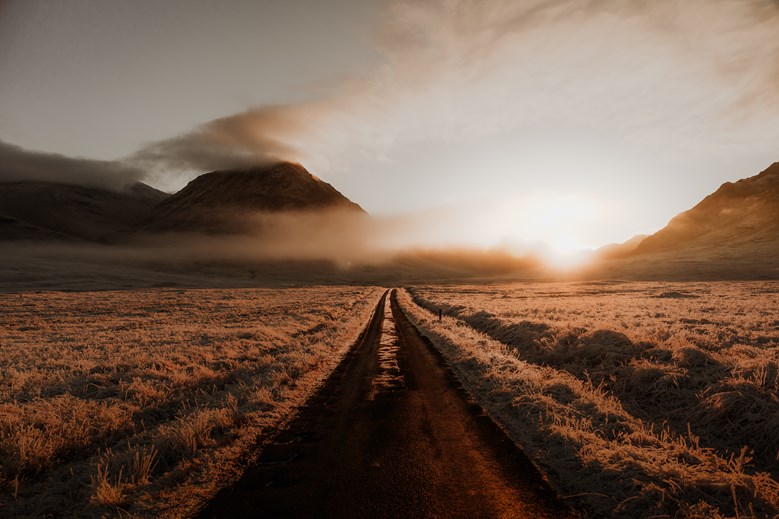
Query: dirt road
[[391, 434]]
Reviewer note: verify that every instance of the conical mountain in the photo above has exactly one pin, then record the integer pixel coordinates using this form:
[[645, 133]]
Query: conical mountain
[[222, 201]]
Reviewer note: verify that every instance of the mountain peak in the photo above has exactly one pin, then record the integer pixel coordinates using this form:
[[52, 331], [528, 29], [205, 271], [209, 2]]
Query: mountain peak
[[211, 200]]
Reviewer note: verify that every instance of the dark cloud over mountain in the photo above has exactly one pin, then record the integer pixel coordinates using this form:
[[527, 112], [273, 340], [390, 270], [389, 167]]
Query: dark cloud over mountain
[[18, 164]]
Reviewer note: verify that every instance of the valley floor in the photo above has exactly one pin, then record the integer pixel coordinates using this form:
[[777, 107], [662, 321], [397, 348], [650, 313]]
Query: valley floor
[[633, 399]]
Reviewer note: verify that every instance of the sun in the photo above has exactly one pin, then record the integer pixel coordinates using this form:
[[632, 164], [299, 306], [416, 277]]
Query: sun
[[565, 252], [565, 245], [558, 227]]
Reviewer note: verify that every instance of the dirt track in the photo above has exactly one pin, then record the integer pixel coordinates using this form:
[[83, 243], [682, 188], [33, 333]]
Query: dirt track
[[391, 434]]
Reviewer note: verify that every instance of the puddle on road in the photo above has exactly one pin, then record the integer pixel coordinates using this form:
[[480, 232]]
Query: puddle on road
[[389, 378]]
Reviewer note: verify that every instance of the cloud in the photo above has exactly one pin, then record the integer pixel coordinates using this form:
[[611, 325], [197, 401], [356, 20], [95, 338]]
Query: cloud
[[459, 70], [312, 132], [18, 164], [240, 140]]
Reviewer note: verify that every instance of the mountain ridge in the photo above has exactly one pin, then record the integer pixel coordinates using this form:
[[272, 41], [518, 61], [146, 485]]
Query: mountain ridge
[[733, 233], [34, 210], [739, 212]]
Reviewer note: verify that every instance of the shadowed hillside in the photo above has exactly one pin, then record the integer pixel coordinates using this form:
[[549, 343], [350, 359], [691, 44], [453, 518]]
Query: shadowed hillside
[[33, 210]]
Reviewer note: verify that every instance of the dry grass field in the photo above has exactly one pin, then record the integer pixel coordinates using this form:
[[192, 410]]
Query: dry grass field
[[636, 399], [146, 402]]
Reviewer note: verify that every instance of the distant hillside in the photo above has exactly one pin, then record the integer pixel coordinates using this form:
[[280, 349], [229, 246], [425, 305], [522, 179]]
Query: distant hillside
[[33, 210], [221, 201], [743, 213], [731, 234], [618, 250]]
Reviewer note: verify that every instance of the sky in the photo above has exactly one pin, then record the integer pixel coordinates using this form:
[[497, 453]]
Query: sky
[[575, 123]]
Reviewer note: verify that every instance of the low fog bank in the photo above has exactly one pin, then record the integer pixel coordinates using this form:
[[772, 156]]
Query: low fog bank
[[341, 237], [227, 262], [222, 262], [333, 247], [264, 250]]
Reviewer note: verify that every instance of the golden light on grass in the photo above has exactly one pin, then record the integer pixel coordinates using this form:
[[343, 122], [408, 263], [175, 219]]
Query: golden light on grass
[[601, 382], [128, 394]]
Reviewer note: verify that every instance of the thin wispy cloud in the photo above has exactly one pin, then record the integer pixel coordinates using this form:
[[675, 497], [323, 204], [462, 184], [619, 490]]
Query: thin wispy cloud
[[455, 70]]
